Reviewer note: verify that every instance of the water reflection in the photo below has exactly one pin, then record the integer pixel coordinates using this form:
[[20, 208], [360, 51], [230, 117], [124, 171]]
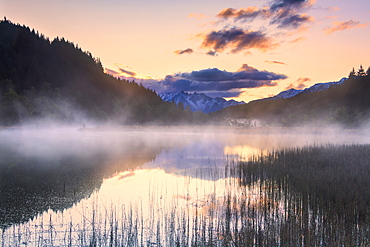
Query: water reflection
[[141, 207], [242, 151], [134, 185], [42, 169]]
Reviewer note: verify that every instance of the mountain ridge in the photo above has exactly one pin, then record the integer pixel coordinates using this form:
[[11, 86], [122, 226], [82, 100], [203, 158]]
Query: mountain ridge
[[293, 92], [345, 103], [198, 101], [206, 104]]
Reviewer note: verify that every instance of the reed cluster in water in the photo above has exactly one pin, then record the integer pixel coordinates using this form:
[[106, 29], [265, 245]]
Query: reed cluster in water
[[311, 196], [324, 190]]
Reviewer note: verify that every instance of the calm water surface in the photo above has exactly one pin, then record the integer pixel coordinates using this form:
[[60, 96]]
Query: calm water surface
[[61, 186]]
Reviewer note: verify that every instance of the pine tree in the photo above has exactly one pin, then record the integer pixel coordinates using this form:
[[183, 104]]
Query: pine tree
[[352, 74], [361, 72]]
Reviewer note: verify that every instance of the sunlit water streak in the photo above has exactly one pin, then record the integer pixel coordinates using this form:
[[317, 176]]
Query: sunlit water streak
[[151, 203]]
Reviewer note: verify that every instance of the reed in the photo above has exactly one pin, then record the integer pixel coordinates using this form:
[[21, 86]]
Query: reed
[[324, 190], [311, 196]]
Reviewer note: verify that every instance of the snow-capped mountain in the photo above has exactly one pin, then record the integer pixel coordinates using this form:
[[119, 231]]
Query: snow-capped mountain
[[206, 104], [315, 88], [198, 101], [322, 86], [287, 94]]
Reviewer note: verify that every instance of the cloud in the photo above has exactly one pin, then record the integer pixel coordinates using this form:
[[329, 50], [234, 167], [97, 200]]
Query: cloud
[[121, 73], [246, 72], [287, 13], [112, 72], [228, 94], [186, 51], [283, 13], [127, 72], [303, 79], [278, 15], [299, 84], [237, 40], [344, 25], [212, 53], [245, 14], [275, 62], [288, 19], [284, 4], [198, 16], [299, 39], [214, 81], [178, 84]]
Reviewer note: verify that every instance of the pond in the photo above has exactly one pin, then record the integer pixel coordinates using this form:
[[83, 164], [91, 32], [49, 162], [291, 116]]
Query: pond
[[136, 186]]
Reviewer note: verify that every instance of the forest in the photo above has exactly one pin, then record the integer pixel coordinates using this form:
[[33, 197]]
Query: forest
[[59, 82], [56, 81], [346, 105]]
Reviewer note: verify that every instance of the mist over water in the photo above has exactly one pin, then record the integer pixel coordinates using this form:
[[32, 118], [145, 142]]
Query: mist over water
[[178, 144], [55, 172]]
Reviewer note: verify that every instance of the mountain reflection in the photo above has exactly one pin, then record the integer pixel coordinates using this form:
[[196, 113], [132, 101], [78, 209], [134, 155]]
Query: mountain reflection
[[48, 169], [57, 168]]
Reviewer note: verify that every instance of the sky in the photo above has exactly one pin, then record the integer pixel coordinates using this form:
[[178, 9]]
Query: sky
[[236, 49]]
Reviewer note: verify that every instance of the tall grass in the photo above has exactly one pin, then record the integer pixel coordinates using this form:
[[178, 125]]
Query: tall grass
[[312, 196], [325, 191]]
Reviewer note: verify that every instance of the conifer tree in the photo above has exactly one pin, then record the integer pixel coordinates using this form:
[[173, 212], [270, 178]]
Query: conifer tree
[[352, 74], [361, 72]]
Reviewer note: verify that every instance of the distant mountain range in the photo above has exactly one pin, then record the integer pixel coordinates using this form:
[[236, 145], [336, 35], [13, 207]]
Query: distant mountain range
[[206, 104], [315, 88], [345, 103], [198, 101]]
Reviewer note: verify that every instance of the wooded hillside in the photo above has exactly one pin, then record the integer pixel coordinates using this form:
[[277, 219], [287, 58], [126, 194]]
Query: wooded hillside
[[347, 104], [56, 80]]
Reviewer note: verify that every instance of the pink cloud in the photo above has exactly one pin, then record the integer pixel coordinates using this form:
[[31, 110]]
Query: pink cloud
[[186, 51], [275, 62], [237, 40], [299, 84], [344, 25]]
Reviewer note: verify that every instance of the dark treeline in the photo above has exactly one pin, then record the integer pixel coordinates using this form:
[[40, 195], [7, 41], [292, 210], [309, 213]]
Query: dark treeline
[[57, 80], [346, 104]]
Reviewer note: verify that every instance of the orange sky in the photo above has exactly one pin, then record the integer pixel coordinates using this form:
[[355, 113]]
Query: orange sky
[[239, 49]]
